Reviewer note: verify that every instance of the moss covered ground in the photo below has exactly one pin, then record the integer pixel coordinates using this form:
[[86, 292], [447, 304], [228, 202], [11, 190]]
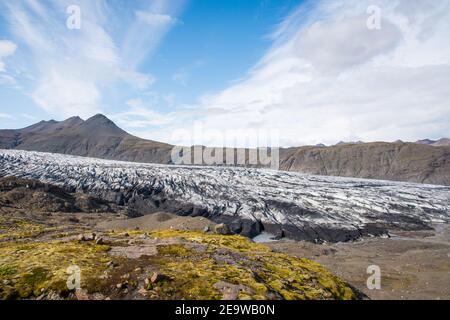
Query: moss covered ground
[[194, 265]]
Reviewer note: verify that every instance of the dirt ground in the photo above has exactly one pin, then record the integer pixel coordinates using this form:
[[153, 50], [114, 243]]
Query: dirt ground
[[414, 265], [157, 221]]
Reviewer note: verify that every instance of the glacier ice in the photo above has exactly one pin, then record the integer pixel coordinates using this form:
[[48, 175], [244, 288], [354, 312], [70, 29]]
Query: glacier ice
[[300, 206]]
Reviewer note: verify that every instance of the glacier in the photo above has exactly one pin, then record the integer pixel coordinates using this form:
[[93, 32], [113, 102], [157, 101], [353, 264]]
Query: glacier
[[251, 201]]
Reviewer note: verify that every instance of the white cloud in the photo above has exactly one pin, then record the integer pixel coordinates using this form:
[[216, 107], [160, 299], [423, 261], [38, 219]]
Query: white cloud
[[140, 80], [351, 44], [68, 72], [67, 67], [155, 19], [5, 116], [66, 97], [140, 115], [7, 48], [328, 78], [150, 26]]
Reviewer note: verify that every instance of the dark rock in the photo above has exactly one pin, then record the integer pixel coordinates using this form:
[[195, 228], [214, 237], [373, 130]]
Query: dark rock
[[157, 277], [251, 229], [74, 220], [222, 229]]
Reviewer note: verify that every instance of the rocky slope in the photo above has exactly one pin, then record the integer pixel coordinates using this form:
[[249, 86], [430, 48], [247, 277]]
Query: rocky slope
[[294, 205], [387, 161], [100, 138], [41, 197]]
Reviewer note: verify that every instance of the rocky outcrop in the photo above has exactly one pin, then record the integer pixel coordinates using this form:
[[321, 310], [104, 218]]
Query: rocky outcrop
[[46, 198]]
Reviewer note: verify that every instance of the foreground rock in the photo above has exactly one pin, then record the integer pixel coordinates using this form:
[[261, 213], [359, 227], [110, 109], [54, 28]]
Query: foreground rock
[[166, 265]]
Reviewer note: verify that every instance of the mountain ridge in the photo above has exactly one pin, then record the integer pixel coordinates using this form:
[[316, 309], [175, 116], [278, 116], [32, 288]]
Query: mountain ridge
[[97, 136], [436, 143], [426, 161]]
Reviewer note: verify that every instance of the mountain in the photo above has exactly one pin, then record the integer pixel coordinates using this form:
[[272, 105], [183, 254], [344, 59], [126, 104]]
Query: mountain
[[379, 160], [442, 142], [435, 143], [425, 142], [343, 143], [98, 137]]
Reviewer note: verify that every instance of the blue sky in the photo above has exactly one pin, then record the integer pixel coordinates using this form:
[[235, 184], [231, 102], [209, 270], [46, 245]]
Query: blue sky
[[215, 43], [207, 45], [311, 70]]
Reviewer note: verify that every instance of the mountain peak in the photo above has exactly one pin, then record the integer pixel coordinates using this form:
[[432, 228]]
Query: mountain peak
[[77, 118], [102, 124], [73, 121], [98, 117], [101, 120]]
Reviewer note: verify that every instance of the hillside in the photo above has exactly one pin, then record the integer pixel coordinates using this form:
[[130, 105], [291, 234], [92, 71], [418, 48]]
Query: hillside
[[96, 137], [387, 161]]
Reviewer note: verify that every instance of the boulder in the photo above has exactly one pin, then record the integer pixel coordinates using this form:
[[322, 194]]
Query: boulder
[[222, 229]]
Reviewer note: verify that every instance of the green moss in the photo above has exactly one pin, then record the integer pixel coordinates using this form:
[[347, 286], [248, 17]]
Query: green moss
[[192, 263], [259, 268], [7, 271], [17, 229], [195, 279], [175, 250], [44, 266], [235, 243], [124, 234], [302, 279]]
